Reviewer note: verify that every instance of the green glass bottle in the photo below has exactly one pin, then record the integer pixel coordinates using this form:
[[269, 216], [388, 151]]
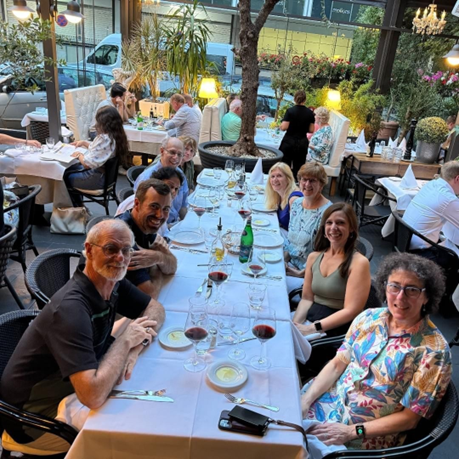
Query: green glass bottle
[[139, 121], [246, 242]]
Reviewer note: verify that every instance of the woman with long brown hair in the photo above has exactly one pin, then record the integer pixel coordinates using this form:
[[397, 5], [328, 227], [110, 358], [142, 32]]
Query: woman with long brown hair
[[337, 280]]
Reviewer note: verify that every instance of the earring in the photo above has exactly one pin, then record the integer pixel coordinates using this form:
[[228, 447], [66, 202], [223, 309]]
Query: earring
[[423, 309]]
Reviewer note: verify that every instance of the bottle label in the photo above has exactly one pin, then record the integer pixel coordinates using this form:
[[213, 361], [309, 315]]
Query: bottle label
[[244, 252]]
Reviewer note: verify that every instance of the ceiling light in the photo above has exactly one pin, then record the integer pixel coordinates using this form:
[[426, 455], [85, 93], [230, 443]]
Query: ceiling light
[[21, 10], [72, 13]]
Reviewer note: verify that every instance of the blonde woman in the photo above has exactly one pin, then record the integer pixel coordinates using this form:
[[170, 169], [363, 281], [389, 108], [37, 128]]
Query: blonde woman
[[321, 141], [281, 191]]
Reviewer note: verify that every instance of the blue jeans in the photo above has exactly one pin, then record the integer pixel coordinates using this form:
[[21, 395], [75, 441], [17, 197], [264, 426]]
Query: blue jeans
[[86, 179]]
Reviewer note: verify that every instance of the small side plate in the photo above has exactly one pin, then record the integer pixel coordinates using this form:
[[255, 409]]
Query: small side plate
[[187, 237], [174, 338], [269, 257], [260, 222], [227, 374]]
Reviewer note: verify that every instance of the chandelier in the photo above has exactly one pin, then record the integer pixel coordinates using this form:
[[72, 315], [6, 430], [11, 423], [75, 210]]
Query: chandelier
[[429, 23]]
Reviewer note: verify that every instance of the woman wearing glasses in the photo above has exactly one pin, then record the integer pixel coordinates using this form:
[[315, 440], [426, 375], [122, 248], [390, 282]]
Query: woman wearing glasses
[[393, 367]]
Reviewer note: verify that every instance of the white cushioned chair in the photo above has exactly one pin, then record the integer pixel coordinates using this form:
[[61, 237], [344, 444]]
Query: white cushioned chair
[[80, 107], [340, 128]]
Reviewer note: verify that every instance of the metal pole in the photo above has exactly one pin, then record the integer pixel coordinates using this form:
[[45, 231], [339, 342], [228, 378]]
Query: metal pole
[[52, 83]]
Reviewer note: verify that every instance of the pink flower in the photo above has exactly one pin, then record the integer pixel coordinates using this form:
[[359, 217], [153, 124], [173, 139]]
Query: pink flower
[[360, 64], [420, 72]]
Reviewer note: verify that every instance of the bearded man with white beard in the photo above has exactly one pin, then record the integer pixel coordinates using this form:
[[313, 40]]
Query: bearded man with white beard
[[68, 360]]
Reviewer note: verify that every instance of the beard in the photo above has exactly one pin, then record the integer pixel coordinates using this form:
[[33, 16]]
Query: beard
[[111, 273]]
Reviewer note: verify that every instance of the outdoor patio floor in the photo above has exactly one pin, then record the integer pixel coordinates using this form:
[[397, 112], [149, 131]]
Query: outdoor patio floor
[[46, 241]]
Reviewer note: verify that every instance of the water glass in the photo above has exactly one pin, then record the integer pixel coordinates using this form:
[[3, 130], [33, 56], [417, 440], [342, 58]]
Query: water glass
[[385, 152], [256, 294], [50, 143], [218, 172], [389, 154], [398, 155]]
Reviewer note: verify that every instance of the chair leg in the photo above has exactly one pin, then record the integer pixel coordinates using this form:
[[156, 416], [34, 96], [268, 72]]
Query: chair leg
[[13, 292], [333, 186]]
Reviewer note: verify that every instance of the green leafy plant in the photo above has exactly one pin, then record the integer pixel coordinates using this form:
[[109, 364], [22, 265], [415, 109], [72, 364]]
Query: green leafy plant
[[432, 130]]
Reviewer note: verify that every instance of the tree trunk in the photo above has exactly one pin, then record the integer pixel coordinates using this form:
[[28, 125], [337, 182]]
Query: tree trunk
[[249, 35]]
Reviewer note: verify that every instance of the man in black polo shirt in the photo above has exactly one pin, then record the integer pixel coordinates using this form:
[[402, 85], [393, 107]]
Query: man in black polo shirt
[[152, 257], [69, 347]]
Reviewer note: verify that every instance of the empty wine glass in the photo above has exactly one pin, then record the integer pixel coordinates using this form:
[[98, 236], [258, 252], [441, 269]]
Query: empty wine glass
[[264, 328], [50, 143], [218, 173], [240, 324], [229, 166], [256, 293], [196, 329], [253, 194]]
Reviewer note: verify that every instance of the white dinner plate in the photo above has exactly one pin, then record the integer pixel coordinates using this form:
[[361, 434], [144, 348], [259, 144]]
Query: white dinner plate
[[260, 207], [270, 257], [260, 222], [174, 338], [227, 374], [246, 270], [187, 237], [268, 240], [210, 180]]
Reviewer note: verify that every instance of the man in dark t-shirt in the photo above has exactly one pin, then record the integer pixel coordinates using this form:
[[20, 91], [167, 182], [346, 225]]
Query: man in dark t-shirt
[[69, 347], [152, 257]]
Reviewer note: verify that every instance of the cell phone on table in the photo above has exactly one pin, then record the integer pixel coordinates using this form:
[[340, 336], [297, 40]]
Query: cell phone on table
[[244, 421]]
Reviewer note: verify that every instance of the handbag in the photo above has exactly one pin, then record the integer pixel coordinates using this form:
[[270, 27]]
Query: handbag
[[69, 220]]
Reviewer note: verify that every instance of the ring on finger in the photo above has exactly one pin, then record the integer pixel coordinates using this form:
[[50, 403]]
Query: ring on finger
[[148, 329]]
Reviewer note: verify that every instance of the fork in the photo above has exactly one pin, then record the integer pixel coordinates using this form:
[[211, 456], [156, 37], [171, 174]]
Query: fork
[[240, 401], [199, 290], [157, 393]]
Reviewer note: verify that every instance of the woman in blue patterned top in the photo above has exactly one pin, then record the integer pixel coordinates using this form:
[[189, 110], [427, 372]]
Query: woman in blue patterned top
[[321, 141]]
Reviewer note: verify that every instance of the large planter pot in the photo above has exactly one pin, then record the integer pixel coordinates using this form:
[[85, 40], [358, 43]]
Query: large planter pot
[[427, 153], [210, 159], [388, 129]]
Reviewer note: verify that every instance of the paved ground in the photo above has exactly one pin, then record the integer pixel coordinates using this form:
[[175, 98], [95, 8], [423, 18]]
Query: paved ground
[[46, 241]]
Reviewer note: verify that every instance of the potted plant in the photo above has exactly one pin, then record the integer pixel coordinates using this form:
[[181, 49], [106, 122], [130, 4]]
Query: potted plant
[[430, 133]]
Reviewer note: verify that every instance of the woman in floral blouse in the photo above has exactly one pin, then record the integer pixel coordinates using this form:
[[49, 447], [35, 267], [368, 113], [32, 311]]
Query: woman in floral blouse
[[321, 141], [393, 367], [111, 141]]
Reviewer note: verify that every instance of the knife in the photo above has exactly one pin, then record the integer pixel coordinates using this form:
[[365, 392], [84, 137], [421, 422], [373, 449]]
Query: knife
[[199, 290], [224, 343], [209, 289], [148, 398]]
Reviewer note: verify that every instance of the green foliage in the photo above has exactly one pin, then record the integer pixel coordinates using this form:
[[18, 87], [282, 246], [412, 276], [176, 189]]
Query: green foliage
[[186, 43], [432, 130], [365, 41]]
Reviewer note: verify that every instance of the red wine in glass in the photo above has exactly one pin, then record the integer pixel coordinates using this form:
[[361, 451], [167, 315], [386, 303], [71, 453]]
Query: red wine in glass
[[239, 194], [244, 213], [196, 334], [199, 211], [218, 277], [263, 332], [255, 269]]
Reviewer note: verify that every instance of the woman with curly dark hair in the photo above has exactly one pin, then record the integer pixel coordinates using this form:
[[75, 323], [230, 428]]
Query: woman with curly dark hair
[[111, 141], [393, 367]]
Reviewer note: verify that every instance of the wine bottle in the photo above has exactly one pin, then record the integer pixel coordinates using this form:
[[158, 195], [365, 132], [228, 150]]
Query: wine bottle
[[372, 145], [218, 248], [246, 242], [410, 140], [151, 113]]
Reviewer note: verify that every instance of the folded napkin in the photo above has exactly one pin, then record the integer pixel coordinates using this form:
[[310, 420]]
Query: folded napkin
[[317, 449], [257, 173], [409, 180], [13, 152], [360, 142], [402, 145], [392, 143], [66, 132], [300, 344]]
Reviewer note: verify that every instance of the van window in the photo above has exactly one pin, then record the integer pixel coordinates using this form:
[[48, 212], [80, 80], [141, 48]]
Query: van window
[[218, 63], [105, 55]]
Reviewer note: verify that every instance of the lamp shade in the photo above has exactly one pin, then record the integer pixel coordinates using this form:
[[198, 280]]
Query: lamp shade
[[453, 56], [208, 89], [333, 99], [72, 13], [21, 10]]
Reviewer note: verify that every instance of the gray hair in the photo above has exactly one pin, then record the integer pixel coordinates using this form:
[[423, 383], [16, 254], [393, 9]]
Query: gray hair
[[450, 170], [428, 272], [166, 141], [235, 105]]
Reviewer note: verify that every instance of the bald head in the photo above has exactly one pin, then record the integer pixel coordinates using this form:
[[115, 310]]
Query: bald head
[[236, 107], [109, 226], [172, 152]]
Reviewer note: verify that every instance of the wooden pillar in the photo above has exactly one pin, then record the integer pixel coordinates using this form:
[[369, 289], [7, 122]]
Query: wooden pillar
[[131, 13]]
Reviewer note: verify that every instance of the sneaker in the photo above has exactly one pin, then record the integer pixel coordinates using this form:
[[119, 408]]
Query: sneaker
[[122, 170]]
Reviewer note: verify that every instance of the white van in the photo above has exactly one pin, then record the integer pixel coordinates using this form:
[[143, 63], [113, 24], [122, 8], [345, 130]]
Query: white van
[[107, 55]]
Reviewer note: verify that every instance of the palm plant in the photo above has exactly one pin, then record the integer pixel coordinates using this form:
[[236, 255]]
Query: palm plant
[[144, 55], [186, 45]]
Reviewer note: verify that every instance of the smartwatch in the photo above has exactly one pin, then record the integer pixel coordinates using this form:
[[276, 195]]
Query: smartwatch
[[360, 430], [318, 326]]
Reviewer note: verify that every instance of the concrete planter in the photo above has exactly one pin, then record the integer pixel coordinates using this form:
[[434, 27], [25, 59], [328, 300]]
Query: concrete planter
[[388, 129], [427, 153]]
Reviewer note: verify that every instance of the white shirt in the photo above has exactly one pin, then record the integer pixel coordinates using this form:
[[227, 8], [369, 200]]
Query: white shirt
[[434, 207], [186, 122]]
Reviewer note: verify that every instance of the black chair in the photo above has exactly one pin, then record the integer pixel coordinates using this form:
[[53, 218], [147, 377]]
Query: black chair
[[49, 272], [6, 244], [133, 172], [12, 327], [346, 173], [365, 248], [108, 193], [96, 220], [370, 215], [124, 193], [24, 240]]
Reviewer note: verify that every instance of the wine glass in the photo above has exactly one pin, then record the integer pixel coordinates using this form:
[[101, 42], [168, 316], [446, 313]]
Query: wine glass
[[264, 328], [199, 211], [219, 273], [256, 293], [253, 194], [239, 194], [218, 173], [213, 198], [240, 324], [50, 143], [229, 166], [196, 329], [255, 266], [245, 213]]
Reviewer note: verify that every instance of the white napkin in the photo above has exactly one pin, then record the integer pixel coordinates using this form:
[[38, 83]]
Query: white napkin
[[300, 344], [392, 143], [409, 180], [402, 145], [360, 142], [317, 449], [13, 152], [257, 173]]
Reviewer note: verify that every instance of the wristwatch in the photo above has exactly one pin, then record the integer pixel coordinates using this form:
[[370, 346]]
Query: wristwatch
[[360, 430], [318, 326]]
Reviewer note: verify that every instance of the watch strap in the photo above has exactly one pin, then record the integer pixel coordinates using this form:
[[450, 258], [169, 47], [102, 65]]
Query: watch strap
[[360, 430], [318, 326]]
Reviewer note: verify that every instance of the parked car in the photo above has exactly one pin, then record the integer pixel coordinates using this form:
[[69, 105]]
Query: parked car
[[231, 82], [16, 102]]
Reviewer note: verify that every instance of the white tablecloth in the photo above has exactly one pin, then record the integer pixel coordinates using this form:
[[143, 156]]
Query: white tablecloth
[[42, 117], [188, 428], [265, 136]]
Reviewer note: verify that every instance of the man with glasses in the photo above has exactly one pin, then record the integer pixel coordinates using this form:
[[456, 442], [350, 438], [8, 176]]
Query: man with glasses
[[171, 152], [152, 257], [72, 355]]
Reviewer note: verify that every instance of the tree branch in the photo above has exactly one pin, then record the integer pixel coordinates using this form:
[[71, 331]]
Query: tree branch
[[265, 11]]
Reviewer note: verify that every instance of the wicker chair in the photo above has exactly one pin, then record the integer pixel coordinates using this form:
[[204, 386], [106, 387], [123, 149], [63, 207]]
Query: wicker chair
[[6, 244], [133, 172], [49, 272], [24, 240], [124, 193], [39, 130], [96, 220], [12, 327]]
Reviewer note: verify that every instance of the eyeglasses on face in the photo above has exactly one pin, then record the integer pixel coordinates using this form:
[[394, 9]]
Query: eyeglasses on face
[[312, 181], [409, 290], [179, 154], [110, 250]]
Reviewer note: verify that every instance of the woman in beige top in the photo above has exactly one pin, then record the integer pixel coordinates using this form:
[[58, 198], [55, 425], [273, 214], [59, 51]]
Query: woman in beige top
[[337, 280]]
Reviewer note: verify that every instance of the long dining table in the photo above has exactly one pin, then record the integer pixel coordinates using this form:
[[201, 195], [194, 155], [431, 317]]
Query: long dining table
[[188, 427]]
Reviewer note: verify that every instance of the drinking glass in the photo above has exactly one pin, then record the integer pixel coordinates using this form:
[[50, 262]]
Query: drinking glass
[[238, 169], [253, 194], [196, 330], [218, 172], [229, 166], [256, 294], [50, 143], [398, 154], [239, 194], [255, 266], [245, 212], [264, 328], [219, 272], [240, 324], [199, 211]]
